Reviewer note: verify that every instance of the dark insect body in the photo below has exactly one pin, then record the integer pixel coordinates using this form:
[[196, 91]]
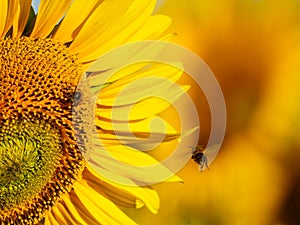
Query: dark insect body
[[199, 157]]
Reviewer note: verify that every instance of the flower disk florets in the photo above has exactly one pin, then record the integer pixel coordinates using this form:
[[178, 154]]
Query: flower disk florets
[[39, 158]]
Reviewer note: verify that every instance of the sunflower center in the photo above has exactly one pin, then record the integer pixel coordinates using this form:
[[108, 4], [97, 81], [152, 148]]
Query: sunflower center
[[39, 157], [29, 154]]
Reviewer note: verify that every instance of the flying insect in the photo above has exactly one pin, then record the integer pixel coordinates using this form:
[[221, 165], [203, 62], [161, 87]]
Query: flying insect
[[200, 157]]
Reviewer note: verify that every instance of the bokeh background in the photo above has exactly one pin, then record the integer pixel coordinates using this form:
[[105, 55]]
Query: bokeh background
[[253, 48]]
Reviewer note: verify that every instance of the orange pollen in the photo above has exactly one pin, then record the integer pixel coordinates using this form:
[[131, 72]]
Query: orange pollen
[[38, 79]]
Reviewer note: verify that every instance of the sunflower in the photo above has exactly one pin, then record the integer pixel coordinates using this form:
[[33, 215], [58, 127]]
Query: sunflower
[[44, 178]]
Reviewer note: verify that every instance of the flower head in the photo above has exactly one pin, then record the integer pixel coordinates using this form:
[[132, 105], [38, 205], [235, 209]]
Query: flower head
[[44, 177]]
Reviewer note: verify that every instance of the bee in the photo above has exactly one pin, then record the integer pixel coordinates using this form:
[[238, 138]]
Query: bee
[[199, 156], [77, 97], [204, 156]]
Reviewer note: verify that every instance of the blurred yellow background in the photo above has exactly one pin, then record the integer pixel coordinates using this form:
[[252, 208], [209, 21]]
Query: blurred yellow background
[[253, 48]]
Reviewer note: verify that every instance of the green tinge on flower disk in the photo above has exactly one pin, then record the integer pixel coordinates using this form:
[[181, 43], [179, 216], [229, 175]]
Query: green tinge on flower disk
[[29, 154]]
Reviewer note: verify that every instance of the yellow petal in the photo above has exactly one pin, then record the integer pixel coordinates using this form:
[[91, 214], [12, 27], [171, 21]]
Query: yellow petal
[[3, 16], [76, 15], [47, 221], [102, 209], [64, 215], [145, 134], [12, 13], [23, 15], [116, 195], [174, 178], [72, 209], [123, 79], [152, 29], [146, 126], [128, 156], [146, 195], [52, 220], [59, 216], [119, 162], [152, 89], [105, 16], [124, 111], [83, 212], [141, 142], [129, 54], [113, 32], [119, 197], [122, 32], [49, 13]]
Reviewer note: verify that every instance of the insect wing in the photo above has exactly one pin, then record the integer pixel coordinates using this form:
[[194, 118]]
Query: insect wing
[[211, 153]]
